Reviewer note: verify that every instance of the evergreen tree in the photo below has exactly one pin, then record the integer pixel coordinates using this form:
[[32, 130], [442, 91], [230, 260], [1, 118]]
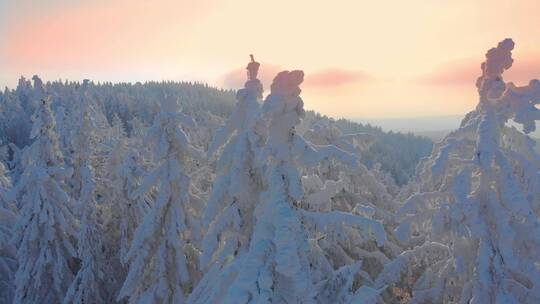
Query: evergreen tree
[[162, 260], [44, 231], [276, 267], [91, 283], [228, 216], [475, 217], [8, 258]]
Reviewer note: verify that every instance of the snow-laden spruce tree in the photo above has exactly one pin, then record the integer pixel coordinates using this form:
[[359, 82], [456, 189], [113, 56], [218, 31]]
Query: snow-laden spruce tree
[[346, 211], [228, 217], [162, 259], [131, 209], [44, 230], [228, 214], [475, 220], [83, 147], [120, 213], [8, 259], [335, 188], [277, 267], [126, 168], [91, 284]]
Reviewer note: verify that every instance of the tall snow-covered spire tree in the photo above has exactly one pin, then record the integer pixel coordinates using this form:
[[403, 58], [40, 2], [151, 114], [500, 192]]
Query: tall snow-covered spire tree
[[276, 267], [122, 171], [8, 259], [162, 259], [91, 283], [229, 211], [476, 216], [228, 217], [44, 231]]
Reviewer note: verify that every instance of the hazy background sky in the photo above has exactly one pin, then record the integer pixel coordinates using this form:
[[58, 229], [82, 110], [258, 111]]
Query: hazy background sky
[[374, 59]]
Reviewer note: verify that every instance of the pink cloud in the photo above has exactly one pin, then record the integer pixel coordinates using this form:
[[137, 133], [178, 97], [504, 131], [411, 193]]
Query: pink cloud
[[465, 72], [236, 78], [94, 34], [334, 77], [328, 78]]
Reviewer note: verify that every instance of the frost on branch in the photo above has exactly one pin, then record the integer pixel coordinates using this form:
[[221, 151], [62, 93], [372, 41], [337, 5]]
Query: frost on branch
[[478, 196], [162, 259], [44, 230]]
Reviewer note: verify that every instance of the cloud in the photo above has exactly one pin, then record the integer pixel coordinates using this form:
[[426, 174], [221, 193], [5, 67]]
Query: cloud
[[456, 73], [324, 79], [236, 78], [465, 72], [86, 35], [334, 77]]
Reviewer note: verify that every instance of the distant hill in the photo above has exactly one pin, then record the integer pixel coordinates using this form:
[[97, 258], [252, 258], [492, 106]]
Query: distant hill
[[435, 136], [398, 153], [416, 125]]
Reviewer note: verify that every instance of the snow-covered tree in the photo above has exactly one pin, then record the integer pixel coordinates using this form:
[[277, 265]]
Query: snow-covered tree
[[277, 266], [229, 211], [162, 259], [354, 194], [91, 283], [475, 220], [44, 231], [228, 217], [8, 259], [129, 209]]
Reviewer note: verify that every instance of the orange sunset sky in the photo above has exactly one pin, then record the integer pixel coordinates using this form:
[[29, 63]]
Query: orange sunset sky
[[370, 59]]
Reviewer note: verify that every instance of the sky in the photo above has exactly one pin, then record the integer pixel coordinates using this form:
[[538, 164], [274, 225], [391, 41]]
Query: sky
[[370, 59]]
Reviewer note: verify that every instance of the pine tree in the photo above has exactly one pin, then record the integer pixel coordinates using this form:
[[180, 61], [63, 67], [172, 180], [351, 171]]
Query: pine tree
[[91, 284], [476, 216], [8, 258], [228, 216], [44, 231], [276, 267], [162, 261], [347, 212]]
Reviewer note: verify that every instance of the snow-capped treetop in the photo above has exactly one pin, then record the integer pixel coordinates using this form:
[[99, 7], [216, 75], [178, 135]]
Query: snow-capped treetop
[[498, 59], [47, 153], [166, 131], [283, 109], [246, 113], [252, 68], [38, 83], [43, 119], [509, 101], [84, 140]]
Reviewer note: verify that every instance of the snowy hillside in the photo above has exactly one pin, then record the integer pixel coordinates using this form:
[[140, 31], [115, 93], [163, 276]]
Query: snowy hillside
[[182, 193], [137, 104]]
